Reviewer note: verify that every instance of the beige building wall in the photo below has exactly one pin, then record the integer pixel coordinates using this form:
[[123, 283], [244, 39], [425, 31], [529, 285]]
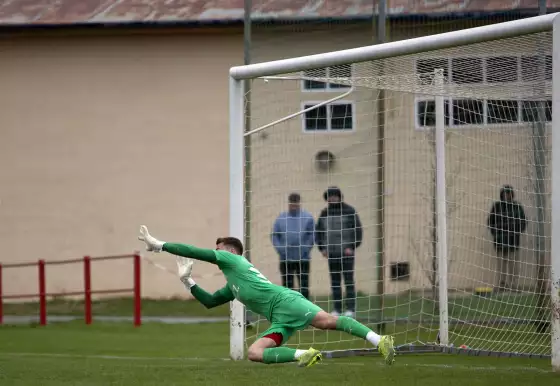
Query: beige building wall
[[103, 133]]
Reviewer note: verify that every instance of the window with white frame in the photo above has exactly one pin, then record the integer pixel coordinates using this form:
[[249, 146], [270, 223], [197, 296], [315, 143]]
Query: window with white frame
[[334, 117], [340, 71], [460, 112]]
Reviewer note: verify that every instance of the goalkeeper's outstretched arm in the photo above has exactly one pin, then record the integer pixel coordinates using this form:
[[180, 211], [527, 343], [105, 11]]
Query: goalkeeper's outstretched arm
[[184, 250], [190, 251], [222, 296]]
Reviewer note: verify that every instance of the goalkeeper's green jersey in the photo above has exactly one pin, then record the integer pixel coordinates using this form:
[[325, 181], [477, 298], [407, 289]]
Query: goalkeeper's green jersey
[[248, 285], [244, 281]]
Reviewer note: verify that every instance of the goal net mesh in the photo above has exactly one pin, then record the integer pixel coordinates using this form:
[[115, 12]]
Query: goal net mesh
[[377, 145]]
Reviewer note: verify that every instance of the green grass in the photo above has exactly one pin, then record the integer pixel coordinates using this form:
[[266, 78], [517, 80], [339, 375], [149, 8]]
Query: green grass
[[118, 307], [157, 354], [119, 354]]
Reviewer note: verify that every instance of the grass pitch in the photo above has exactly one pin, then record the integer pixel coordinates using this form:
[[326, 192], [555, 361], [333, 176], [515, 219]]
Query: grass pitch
[[159, 354]]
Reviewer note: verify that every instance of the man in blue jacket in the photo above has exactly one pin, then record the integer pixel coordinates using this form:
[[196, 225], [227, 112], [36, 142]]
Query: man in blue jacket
[[293, 237]]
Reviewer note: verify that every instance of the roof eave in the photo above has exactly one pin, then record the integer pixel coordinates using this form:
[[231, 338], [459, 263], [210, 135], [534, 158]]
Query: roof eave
[[272, 20]]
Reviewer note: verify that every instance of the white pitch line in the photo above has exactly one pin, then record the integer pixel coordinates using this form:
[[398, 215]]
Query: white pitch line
[[331, 362]]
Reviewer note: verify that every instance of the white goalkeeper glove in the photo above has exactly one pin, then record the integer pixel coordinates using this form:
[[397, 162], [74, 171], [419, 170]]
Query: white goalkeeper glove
[[184, 269], [152, 244]]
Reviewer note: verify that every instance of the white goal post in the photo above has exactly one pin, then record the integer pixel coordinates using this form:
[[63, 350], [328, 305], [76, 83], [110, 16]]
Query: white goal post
[[440, 88]]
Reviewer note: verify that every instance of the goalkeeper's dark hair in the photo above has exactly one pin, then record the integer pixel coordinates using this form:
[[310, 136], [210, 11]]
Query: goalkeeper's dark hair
[[231, 242]]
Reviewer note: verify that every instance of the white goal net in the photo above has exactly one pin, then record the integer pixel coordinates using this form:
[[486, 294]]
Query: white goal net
[[487, 181]]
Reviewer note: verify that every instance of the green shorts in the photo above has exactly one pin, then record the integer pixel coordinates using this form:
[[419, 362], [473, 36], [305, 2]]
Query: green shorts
[[292, 312]]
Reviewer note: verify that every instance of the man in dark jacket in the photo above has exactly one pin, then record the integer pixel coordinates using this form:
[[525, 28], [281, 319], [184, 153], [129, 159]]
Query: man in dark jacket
[[507, 222], [338, 234]]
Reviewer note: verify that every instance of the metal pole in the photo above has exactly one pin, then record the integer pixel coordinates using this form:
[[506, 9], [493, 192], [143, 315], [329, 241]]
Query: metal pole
[[42, 294], [538, 137], [247, 48], [381, 38], [236, 198], [137, 290], [87, 289], [382, 22], [441, 210], [542, 7], [555, 202]]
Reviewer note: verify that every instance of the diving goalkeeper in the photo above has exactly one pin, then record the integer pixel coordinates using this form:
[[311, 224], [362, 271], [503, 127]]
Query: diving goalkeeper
[[286, 310]]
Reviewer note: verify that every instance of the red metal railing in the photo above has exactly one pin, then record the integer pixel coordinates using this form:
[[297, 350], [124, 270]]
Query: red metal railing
[[87, 292]]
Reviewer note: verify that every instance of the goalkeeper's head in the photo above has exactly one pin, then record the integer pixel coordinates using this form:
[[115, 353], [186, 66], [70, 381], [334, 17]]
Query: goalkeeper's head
[[230, 244]]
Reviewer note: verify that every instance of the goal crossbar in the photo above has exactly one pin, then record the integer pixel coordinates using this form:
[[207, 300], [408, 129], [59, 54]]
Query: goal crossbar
[[404, 47]]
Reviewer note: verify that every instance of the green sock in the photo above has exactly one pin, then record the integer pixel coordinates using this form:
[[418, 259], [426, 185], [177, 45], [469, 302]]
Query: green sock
[[352, 327], [279, 355]]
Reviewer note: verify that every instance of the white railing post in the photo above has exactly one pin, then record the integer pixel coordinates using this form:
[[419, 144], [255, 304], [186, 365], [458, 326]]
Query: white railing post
[[441, 208], [555, 199], [236, 203]]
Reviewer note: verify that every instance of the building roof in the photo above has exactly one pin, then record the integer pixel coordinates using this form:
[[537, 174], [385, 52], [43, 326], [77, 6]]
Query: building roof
[[69, 12]]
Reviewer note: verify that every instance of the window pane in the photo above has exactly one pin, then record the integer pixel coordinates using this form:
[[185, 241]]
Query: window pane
[[468, 112], [501, 69], [502, 111], [426, 113], [336, 85], [530, 111], [531, 67], [316, 119], [341, 117], [313, 84], [427, 67], [466, 70]]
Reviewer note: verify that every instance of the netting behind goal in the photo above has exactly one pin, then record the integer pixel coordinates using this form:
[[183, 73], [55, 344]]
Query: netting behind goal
[[377, 145]]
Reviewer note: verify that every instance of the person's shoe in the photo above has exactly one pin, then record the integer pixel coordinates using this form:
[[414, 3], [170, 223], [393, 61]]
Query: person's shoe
[[387, 349], [310, 358]]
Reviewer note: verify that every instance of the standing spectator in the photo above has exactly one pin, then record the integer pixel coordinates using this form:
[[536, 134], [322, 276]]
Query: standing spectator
[[338, 235], [292, 237], [507, 222]]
